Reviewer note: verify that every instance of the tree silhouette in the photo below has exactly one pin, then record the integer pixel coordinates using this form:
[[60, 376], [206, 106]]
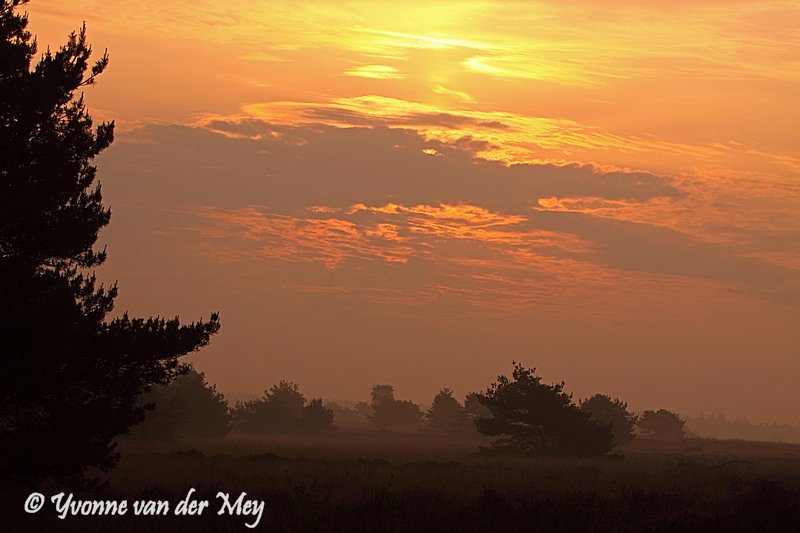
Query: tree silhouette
[[357, 417], [661, 424], [391, 412], [70, 378], [474, 408], [317, 418], [532, 417], [446, 415], [606, 410], [283, 409], [186, 408]]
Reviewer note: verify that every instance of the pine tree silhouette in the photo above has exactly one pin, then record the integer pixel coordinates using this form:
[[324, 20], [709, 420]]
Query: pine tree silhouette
[[70, 378]]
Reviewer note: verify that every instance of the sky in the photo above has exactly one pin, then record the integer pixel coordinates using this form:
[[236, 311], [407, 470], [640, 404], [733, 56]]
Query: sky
[[420, 193]]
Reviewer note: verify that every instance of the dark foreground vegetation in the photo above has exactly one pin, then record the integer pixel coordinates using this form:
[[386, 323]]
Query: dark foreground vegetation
[[385, 481]]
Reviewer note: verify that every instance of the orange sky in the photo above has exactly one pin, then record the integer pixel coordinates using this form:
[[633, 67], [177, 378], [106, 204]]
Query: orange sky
[[418, 192]]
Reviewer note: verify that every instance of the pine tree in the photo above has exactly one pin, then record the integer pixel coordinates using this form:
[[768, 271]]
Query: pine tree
[[532, 417], [70, 377]]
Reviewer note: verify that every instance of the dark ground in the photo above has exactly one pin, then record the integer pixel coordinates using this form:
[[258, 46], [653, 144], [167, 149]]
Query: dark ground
[[410, 482]]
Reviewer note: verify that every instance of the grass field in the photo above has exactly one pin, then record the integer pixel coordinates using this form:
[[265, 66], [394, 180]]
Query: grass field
[[382, 481]]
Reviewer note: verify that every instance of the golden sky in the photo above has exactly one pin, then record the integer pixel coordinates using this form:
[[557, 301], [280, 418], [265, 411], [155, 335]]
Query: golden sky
[[420, 192]]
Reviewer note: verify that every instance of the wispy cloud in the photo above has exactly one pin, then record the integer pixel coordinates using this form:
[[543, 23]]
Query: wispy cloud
[[378, 72]]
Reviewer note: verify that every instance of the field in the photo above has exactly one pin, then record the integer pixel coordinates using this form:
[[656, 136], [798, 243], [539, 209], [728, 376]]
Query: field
[[382, 481]]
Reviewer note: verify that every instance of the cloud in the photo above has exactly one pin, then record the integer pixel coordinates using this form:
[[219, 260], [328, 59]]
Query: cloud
[[659, 250], [377, 72], [296, 167], [352, 199]]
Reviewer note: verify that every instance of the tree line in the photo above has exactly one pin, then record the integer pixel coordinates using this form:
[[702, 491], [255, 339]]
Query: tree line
[[523, 413]]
